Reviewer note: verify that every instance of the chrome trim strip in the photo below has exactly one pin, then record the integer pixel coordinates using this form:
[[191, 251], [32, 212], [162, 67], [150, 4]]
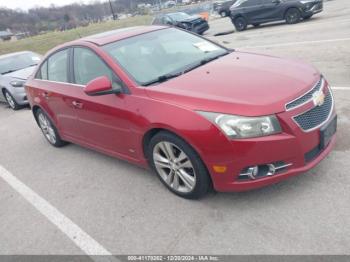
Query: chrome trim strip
[[316, 127], [283, 166], [57, 82], [322, 86]]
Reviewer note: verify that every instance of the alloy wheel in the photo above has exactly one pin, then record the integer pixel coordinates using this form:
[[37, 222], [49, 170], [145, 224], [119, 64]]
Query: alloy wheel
[[174, 167], [10, 100], [293, 16], [47, 128]]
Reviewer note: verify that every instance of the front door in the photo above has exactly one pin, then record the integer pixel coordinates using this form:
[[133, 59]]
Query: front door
[[103, 120]]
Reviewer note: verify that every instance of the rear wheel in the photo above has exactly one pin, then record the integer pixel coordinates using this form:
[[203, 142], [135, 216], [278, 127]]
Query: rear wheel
[[11, 101], [292, 16], [240, 24], [48, 129], [178, 166]]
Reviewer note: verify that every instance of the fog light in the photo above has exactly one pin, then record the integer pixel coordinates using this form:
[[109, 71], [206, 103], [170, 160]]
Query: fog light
[[249, 173], [255, 172]]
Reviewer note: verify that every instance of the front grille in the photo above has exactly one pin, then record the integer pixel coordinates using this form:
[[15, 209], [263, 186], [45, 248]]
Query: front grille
[[306, 97], [316, 116], [312, 154]]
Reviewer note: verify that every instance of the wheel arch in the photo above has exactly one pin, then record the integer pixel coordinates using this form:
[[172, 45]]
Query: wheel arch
[[289, 8], [155, 130], [35, 109]]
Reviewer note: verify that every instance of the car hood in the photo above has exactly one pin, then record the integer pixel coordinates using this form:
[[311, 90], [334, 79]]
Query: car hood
[[239, 83], [23, 73]]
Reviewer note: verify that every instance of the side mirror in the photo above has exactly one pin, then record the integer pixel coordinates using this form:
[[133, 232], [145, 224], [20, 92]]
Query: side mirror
[[276, 1], [101, 86]]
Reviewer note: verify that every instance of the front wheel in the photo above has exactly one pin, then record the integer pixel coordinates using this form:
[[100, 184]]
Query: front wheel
[[48, 129], [178, 166], [240, 23], [292, 16], [223, 14], [11, 101]]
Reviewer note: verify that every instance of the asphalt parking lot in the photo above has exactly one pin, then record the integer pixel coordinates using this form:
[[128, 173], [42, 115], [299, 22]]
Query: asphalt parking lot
[[75, 201]]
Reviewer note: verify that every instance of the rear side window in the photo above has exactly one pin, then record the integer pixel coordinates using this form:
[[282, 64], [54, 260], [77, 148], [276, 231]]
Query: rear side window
[[43, 71], [57, 66], [88, 66]]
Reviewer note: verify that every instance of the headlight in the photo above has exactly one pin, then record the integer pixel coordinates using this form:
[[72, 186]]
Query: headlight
[[238, 127], [17, 83]]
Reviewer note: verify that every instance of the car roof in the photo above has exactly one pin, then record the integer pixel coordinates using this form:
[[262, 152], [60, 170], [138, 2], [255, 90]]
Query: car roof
[[14, 54], [118, 34]]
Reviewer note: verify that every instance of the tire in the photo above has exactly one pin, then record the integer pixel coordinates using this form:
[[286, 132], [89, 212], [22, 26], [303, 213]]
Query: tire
[[11, 101], [256, 25], [223, 13], [292, 16], [49, 130], [240, 23], [178, 166]]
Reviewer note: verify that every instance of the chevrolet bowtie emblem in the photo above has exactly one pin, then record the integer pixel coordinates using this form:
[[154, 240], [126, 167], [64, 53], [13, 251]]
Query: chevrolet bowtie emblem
[[318, 98]]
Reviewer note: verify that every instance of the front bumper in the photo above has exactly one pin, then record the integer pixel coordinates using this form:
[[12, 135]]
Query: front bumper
[[301, 149], [20, 95], [295, 169], [312, 8]]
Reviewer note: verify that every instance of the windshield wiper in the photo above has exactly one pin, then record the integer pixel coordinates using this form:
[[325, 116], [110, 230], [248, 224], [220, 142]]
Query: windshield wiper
[[163, 78], [14, 70], [166, 77], [203, 62], [9, 71]]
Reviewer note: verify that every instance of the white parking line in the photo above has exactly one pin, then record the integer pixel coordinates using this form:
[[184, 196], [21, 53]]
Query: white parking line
[[85, 242], [341, 88], [299, 43]]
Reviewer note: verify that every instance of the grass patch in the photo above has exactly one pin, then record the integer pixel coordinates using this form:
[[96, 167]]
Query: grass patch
[[42, 43]]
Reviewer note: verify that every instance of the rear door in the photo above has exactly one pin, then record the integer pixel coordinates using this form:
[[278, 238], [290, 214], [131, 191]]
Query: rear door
[[56, 94], [270, 11], [251, 9]]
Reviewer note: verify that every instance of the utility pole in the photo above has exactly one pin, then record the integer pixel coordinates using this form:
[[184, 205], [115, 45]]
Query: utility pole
[[113, 14]]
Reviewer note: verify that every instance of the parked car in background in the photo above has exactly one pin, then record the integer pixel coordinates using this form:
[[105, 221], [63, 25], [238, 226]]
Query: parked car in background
[[256, 12], [193, 23], [223, 7], [199, 114], [15, 68]]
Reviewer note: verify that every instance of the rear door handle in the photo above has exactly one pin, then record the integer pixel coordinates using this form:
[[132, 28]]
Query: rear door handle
[[77, 104]]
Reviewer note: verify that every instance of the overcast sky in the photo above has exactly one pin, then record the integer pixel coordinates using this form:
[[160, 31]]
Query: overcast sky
[[26, 4]]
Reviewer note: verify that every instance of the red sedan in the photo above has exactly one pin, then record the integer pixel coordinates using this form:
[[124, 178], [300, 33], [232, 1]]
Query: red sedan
[[199, 114]]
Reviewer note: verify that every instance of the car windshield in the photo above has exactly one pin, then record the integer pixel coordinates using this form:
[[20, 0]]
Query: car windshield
[[179, 16], [162, 54], [16, 62]]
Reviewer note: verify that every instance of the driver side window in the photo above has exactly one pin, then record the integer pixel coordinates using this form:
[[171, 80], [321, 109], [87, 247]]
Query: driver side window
[[88, 66]]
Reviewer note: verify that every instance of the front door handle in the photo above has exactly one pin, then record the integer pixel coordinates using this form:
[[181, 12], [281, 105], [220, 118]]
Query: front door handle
[[46, 95], [77, 104]]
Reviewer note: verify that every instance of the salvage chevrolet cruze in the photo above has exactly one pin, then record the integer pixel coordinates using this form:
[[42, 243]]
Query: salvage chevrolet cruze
[[199, 114]]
